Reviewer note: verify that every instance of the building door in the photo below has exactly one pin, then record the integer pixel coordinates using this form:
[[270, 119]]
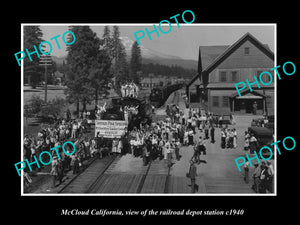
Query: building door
[[246, 105], [240, 105]]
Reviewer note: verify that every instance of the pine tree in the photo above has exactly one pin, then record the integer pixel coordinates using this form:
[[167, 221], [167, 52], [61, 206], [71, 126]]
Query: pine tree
[[120, 65], [135, 62], [32, 70], [107, 40], [87, 66], [100, 74]]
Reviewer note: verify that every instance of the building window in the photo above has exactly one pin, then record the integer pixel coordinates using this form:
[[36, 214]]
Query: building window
[[215, 101], [265, 77], [234, 76], [225, 101], [223, 76], [247, 51]]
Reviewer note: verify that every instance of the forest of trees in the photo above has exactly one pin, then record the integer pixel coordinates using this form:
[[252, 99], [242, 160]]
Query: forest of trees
[[165, 70], [94, 65]]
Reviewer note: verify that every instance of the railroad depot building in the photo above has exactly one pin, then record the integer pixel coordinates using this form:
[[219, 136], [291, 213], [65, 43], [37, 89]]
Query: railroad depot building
[[221, 67]]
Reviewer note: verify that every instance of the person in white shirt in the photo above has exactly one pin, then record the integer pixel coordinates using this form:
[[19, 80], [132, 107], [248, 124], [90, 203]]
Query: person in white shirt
[[115, 143], [169, 152], [166, 148], [252, 144], [247, 137], [234, 137], [186, 138], [120, 146], [74, 130]]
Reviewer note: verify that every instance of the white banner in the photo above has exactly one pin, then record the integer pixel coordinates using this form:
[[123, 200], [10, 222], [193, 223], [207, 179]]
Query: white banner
[[110, 128]]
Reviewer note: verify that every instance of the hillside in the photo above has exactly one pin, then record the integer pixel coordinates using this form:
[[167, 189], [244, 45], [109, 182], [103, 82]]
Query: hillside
[[148, 56]]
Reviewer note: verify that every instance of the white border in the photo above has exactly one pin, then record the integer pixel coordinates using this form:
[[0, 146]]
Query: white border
[[151, 24]]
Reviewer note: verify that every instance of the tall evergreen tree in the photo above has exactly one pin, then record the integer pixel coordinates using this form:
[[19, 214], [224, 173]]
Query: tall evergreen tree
[[32, 70], [84, 70], [135, 62], [100, 74], [120, 65], [107, 40]]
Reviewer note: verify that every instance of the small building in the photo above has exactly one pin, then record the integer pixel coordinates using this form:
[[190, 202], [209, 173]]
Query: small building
[[151, 82], [160, 81], [58, 77], [223, 67]]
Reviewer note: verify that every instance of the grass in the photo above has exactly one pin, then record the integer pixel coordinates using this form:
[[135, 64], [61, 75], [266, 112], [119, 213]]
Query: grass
[[31, 127], [52, 93]]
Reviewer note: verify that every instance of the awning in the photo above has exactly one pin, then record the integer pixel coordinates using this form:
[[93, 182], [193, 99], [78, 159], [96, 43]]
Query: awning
[[249, 97]]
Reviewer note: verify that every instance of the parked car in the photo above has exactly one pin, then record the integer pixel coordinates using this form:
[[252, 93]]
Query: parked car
[[227, 119], [264, 137], [259, 122]]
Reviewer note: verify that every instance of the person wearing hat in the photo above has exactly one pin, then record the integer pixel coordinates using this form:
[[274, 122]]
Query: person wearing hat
[[253, 144], [264, 178], [256, 178]]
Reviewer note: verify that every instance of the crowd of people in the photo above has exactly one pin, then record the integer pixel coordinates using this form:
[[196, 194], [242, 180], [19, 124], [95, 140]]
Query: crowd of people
[[228, 138], [262, 176], [50, 136], [129, 89], [161, 139]]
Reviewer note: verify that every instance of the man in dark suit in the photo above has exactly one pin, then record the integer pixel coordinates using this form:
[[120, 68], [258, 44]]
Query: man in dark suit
[[193, 174], [212, 134], [264, 178]]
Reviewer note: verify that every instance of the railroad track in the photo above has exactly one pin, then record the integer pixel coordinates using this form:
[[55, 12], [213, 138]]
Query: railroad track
[[98, 178], [92, 172]]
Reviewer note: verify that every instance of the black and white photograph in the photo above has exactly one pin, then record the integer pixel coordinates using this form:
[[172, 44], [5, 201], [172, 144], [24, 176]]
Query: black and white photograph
[[108, 111], [149, 113]]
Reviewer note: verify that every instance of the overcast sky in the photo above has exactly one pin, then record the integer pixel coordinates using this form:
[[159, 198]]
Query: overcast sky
[[183, 42]]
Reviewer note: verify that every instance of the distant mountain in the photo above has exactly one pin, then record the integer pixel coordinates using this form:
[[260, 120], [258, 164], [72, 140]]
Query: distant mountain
[[148, 56], [59, 60], [146, 53], [152, 56]]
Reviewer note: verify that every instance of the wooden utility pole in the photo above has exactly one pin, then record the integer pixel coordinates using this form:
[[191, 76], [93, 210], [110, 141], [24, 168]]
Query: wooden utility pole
[[45, 60]]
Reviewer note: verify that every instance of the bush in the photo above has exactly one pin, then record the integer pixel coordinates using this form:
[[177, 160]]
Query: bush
[[35, 104], [54, 108]]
